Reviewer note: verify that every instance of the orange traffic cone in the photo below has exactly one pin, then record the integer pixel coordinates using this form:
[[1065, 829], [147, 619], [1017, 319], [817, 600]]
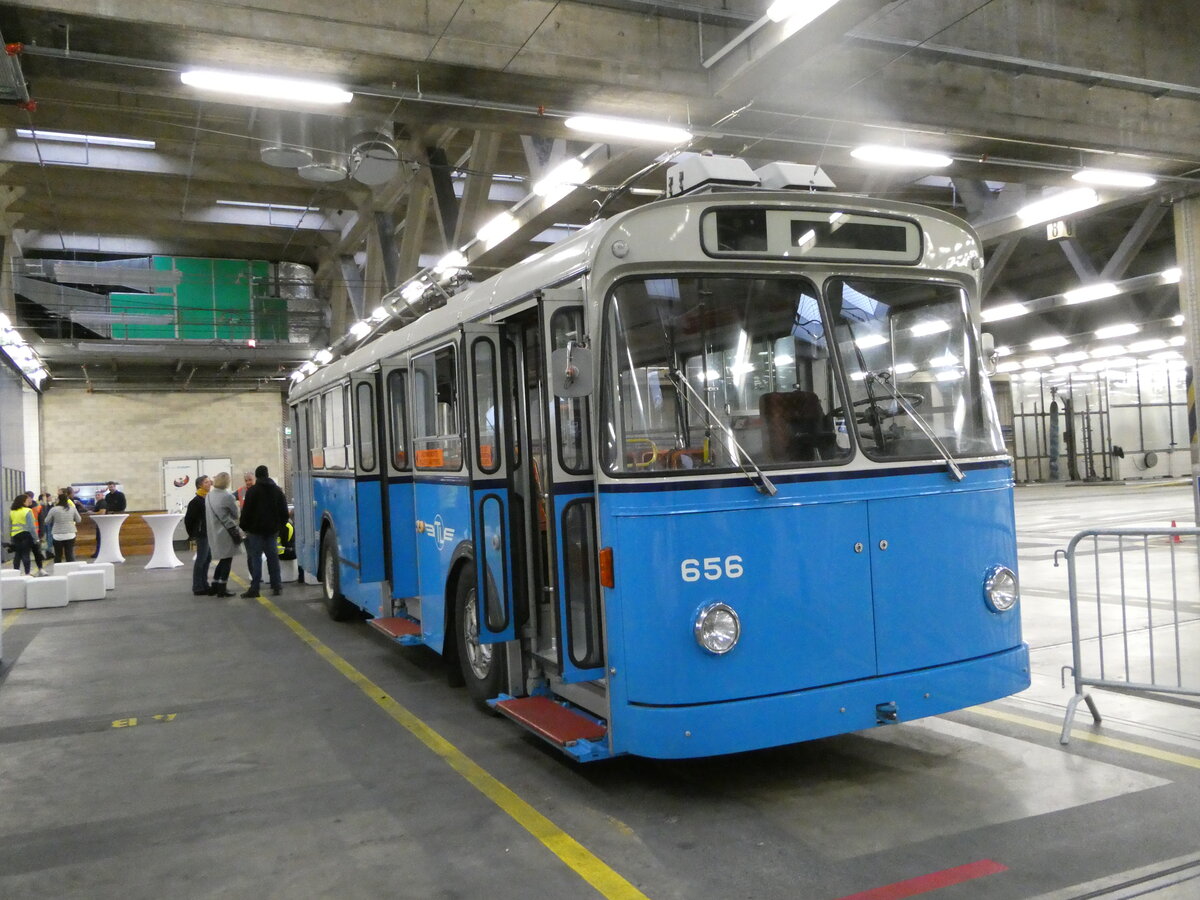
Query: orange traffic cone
[[1175, 539]]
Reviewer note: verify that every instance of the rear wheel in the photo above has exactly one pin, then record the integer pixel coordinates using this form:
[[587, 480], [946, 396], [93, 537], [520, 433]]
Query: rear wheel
[[482, 664], [339, 608]]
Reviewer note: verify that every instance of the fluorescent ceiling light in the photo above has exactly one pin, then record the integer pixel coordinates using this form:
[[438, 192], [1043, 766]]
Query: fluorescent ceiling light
[[360, 329], [1148, 345], [1007, 311], [1057, 205], [307, 368], [414, 290], [1178, 341], [1166, 355], [284, 207], [1008, 367], [1172, 275], [380, 314], [5, 321], [903, 368], [942, 362], [265, 86], [1003, 350], [797, 13], [1064, 370], [900, 156], [1031, 376], [323, 357], [1038, 362], [455, 259], [1093, 366], [866, 342], [1090, 292], [1114, 178], [1049, 342], [934, 326], [1072, 357], [559, 180], [1107, 351], [496, 230], [1113, 331], [629, 129], [949, 375], [68, 137]]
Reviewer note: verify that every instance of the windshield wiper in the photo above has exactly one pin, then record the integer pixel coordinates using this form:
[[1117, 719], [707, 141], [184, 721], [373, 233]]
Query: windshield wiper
[[761, 482], [884, 378]]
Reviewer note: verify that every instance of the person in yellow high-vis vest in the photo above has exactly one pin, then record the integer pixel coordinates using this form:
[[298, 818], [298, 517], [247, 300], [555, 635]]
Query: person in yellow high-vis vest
[[22, 534]]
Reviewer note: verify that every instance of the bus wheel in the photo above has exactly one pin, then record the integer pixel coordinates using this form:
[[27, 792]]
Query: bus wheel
[[339, 608], [482, 664]]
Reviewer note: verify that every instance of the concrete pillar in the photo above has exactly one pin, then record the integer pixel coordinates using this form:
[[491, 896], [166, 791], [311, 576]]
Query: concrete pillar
[[1187, 255]]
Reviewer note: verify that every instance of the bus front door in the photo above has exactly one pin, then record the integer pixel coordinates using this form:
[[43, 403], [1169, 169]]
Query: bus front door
[[491, 528], [568, 491]]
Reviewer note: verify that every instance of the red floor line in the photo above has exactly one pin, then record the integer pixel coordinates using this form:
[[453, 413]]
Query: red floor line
[[923, 884]]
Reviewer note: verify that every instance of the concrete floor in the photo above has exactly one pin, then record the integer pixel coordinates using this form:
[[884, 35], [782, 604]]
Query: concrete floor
[[258, 769]]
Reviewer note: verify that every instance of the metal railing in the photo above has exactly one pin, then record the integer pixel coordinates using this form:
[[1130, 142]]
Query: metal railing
[[1135, 613]]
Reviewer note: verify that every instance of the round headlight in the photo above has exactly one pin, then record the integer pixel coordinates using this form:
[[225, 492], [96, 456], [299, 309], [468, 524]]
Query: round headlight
[[1000, 589], [717, 628]]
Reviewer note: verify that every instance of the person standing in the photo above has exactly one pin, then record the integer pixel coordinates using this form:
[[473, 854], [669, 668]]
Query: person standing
[[99, 508], [46, 502], [247, 483], [114, 500], [264, 513], [221, 527], [60, 524], [22, 534], [197, 530]]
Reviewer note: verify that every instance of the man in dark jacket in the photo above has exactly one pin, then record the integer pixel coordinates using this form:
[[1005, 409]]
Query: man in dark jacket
[[197, 530], [114, 500], [264, 513]]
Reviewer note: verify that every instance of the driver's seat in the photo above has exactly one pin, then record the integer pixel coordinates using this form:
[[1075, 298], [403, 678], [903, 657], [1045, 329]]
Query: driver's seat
[[797, 428]]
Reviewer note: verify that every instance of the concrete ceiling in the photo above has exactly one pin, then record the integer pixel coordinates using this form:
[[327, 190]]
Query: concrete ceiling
[[1020, 93]]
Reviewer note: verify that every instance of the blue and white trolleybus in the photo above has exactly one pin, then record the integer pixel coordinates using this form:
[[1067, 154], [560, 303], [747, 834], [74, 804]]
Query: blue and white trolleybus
[[719, 473]]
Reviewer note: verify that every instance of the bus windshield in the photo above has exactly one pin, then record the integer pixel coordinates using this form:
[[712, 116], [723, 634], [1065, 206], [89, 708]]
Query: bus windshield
[[755, 355], [912, 339]]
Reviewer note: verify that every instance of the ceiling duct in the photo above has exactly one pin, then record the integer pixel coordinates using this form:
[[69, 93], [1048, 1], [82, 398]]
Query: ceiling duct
[[285, 138], [330, 162], [374, 158], [132, 273]]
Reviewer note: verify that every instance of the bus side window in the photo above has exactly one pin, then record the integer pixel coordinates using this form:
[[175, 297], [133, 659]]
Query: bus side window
[[397, 407], [574, 437], [364, 425], [335, 428], [316, 434], [437, 438], [483, 363]]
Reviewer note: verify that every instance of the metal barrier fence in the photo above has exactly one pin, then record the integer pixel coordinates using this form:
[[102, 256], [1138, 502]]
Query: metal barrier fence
[[1139, 628]]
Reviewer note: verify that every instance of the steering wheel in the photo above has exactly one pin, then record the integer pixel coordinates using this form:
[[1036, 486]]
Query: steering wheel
[[880, 410]]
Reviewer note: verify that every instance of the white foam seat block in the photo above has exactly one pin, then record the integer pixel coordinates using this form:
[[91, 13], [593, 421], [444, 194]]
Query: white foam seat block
[[289, 570], [85, 585], [12, 592], [11, 573], [66, 568], [109, 570], [45, 592]]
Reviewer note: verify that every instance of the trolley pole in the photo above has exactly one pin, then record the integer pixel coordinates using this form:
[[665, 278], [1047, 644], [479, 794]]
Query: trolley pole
[[1187, 256]]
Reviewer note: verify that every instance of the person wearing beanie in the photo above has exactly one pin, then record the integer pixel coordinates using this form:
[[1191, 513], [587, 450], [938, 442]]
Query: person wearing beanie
[[264, 514]]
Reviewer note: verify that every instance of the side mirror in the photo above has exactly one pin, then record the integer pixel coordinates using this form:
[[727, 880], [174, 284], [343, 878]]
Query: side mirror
[[571, 370], [987, 343]]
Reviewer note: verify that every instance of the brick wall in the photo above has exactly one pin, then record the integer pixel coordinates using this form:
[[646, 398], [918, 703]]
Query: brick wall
[[126, 436]]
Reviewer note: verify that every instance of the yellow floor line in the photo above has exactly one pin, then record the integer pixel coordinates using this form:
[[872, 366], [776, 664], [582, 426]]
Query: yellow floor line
[[1103, 740], [587, 865], [11, 616]]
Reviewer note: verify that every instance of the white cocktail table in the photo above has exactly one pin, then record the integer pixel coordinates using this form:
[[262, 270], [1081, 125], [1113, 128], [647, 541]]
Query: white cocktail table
[[110, 537], [163, 526]]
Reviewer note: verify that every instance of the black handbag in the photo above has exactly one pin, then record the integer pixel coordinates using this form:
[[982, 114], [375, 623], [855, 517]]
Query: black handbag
[[236, 534]]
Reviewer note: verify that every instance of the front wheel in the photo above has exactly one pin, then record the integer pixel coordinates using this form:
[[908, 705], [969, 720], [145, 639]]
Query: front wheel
[[482, 664], [339, 608]]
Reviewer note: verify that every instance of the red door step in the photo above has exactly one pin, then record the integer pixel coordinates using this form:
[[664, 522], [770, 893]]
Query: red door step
[[397, 627], [558, 724]]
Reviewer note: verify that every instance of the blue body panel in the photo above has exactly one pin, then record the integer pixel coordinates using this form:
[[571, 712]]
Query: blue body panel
[[443, 511], [339, 499], [829, 619], [404, 537]]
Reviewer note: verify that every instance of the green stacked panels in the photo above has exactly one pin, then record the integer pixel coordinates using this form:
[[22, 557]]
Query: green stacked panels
[[134, 305], [270, 312]]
